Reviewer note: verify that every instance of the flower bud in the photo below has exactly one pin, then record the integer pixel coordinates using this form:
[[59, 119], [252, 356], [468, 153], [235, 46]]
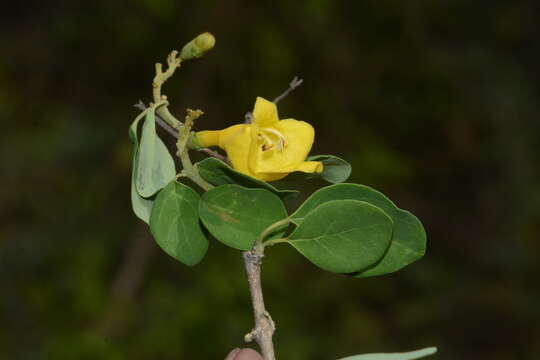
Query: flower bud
[[205, 41], [198, 46]]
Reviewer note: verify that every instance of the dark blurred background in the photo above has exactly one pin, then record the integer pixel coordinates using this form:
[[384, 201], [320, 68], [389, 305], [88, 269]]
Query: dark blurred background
[[433, 102]]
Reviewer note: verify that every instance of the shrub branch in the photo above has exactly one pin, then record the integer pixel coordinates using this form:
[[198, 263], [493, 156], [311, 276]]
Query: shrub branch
[[264, 325]]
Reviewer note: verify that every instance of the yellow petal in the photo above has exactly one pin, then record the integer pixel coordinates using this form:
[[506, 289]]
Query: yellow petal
[[237, 146], [270, 176], [208, 137], [305, 166], [310, 167], [265, 112], [255, 148], [227, 134], [299, 136]]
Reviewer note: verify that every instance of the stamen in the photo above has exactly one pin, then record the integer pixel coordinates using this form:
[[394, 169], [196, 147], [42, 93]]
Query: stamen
[[275, 132], [282, 142], [266, 139]]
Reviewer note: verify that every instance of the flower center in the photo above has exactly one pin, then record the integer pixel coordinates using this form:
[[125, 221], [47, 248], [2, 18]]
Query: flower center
[[268, 134]]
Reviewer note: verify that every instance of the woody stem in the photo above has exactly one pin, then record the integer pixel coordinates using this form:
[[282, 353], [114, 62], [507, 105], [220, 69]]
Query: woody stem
[[264, 325]]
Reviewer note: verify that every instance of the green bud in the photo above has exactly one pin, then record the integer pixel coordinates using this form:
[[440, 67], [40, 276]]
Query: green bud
[[198, 46], [205, 41]]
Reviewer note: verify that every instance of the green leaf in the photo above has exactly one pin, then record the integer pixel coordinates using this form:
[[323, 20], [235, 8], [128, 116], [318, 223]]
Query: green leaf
[[236, 215], [218, 173], [175, 225], [335, 169], [411, 355], [155, 164], [409, 238], [141, 207], [343, 236]]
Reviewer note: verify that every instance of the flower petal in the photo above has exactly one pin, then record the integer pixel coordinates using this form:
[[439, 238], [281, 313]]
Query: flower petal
[[306, 166], [265, 112], [237, 145], [270, 176], [229, 133], [208, 138], [299, 137], [255, 149]]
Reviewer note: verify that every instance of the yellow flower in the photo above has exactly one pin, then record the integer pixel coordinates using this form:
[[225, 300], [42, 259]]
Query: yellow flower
[[267, 149]]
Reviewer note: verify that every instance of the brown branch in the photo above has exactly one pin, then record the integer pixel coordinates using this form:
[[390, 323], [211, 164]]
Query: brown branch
[[215, 154], [140, 105], [248, 118], [296, 82], [264, 325]]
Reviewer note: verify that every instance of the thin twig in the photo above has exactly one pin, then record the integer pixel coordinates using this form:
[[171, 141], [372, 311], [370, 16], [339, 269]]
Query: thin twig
[[296, 82], [264, 325], [215, 154], [173, 62], [140, 105], [248, 118]]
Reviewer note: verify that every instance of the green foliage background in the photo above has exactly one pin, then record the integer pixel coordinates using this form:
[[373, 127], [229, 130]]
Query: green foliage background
[[435, 103]]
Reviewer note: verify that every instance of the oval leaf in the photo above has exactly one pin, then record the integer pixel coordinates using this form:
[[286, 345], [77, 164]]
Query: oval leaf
[[141, 207], [236, 215], [411, 355], [409, 238], [218, 173], [175, 225], [335, 169], [155, 164], [343, 236]]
